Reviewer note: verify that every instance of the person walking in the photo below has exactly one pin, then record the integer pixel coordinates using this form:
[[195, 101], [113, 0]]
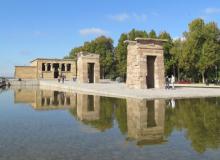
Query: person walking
[[63, 77], [58, 79], [167, 82], [172, 81]]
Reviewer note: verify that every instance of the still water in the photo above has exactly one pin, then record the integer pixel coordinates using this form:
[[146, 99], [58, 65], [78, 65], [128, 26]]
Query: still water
[[49, 125]]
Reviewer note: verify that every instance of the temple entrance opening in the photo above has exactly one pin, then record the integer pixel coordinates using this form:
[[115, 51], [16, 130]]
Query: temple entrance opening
[[91, 72], [150, 78], [56, 70]]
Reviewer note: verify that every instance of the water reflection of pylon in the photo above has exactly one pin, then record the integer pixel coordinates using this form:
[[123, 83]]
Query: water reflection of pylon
[[88, 107], [145, 121]]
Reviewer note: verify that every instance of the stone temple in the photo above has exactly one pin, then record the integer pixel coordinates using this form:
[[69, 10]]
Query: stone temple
[[145, 63], [145, 66], [86, 69], [42, 68]]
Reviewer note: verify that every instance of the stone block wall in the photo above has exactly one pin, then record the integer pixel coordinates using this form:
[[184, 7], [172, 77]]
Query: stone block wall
[[50, 74], [35, 70], [137, 63], [26, 72], [82, 67]]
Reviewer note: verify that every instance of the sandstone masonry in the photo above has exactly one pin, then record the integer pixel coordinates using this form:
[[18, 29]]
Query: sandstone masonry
[[145, 63], [88, 68], [42, 68]]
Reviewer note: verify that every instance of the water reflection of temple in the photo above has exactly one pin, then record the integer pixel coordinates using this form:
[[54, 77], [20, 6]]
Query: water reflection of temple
[[145, 121], [88, 107], [45, 99], [140, 120]]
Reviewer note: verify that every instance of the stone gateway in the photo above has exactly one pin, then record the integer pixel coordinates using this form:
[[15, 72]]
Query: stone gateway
[[88, 67], [145, 63]]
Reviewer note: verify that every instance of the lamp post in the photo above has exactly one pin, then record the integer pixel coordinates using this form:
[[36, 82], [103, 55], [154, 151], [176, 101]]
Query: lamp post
[[216, 72]]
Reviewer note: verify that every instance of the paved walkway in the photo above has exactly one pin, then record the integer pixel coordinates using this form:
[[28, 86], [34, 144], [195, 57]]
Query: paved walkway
[[197, 85], [119, 90]]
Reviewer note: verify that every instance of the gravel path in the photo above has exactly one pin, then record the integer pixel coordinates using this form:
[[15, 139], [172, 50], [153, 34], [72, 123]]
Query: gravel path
[[112, 89]]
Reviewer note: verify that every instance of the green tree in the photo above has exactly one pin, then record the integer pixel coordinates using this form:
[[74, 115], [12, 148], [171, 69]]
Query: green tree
[[121, 56], [210, 49], [200, 50], [192, 48], [152, 34], [168, 59], [73, 53], [137, 33], [176, 52], [102, 46], [121, 51]]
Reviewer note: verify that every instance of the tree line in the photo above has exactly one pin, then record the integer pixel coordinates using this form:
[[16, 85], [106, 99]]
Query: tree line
[[194, 57]]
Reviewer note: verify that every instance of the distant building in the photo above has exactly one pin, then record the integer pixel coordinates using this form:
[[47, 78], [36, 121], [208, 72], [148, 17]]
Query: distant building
[[42, 68]]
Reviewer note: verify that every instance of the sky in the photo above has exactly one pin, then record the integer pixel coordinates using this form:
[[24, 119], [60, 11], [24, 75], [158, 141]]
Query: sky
[[32, 29]]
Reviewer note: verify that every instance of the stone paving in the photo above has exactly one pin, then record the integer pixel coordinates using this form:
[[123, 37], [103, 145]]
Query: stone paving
[[113, 89]]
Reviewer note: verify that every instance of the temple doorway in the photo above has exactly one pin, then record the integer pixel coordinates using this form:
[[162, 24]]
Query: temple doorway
[[91, 72], [150, 79], [56, 70]]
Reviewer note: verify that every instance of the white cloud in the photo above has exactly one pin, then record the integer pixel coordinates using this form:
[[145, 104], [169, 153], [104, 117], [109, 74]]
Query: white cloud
[[120, 17], [212, 10], [92, 31], [128, 17]]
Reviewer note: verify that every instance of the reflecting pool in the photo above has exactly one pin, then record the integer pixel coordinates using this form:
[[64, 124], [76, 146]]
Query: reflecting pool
[[50, 125]]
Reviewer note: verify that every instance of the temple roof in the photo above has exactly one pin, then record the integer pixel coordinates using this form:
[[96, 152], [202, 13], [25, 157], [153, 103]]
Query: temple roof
[[51, 59], [87, 54], [146, 40]]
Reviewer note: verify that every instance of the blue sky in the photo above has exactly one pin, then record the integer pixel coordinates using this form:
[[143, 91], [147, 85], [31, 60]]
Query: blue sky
[[50, 28]]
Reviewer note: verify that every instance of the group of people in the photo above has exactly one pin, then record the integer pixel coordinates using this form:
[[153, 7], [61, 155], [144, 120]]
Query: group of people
[[61, 78], [170, 82]]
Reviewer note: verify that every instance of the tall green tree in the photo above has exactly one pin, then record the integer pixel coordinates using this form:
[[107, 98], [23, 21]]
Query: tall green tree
[[168, 59], [152, 34], [137, 33], [121, 56], [121, 51], [73, 53], [193, 48], [201, 49], [194, 58], [210, 50], [176, 52], [102, 46]]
